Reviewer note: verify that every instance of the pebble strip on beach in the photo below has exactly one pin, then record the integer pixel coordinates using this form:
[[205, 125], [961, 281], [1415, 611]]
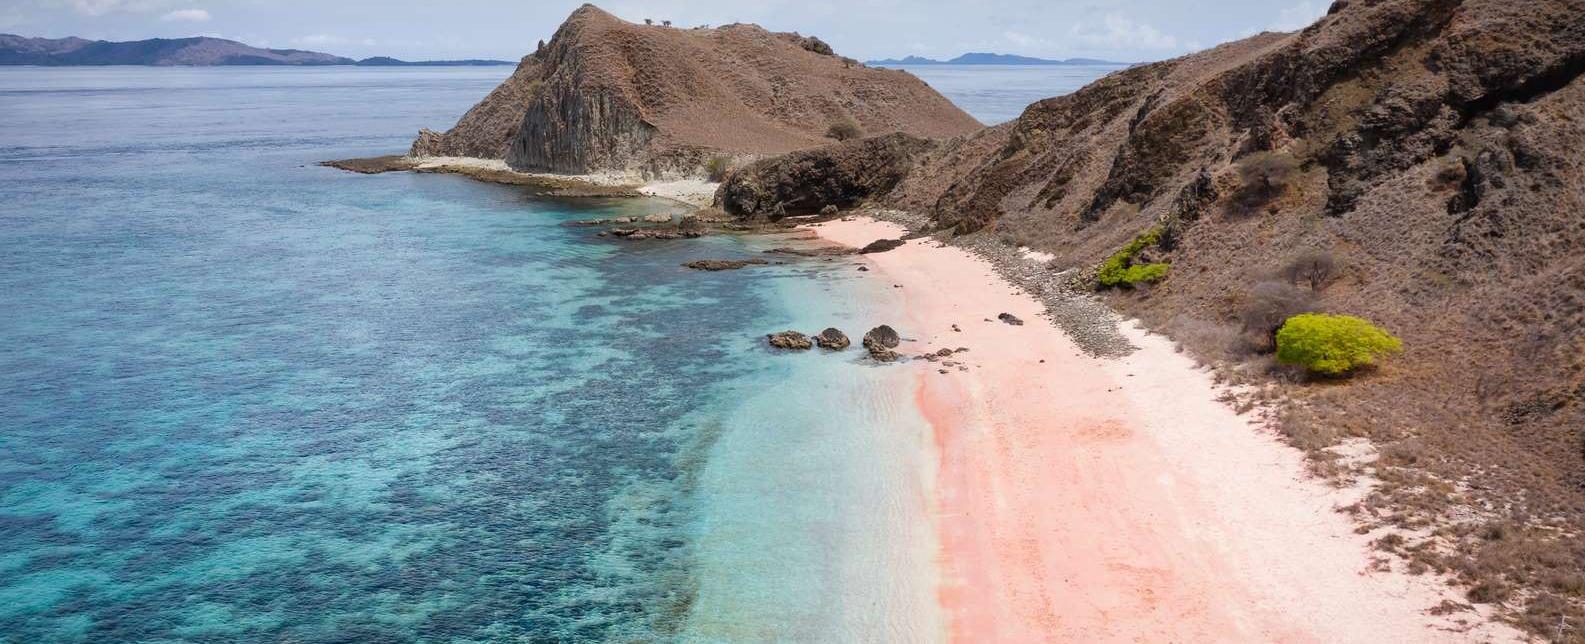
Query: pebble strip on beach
[[1084, 317]]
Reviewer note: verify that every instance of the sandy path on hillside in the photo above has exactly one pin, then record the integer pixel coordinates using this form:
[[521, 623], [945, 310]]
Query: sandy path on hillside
[[1085, 500]]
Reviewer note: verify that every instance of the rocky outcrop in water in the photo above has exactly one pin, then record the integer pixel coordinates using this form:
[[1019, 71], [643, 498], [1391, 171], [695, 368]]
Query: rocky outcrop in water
[[880, 342], [789, 340], [608, 95], [833, 338]]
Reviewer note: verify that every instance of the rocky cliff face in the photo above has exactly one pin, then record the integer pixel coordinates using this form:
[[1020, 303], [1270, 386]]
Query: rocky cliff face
[[487, 130], [839, 176], [608, 95]]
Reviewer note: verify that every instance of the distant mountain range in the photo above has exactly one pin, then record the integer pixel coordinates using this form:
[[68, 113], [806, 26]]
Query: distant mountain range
[[980, 58], [19, 50]]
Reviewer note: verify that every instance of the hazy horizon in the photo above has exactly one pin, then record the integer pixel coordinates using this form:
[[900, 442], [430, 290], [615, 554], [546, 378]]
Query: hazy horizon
[[1119, 30]]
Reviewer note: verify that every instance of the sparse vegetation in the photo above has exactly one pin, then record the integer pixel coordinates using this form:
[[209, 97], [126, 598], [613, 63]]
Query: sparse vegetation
[[845, 130], [1332, 345], [1264, 176], [1268, 306], [1314, 267], [1119, 269], [717, 169]]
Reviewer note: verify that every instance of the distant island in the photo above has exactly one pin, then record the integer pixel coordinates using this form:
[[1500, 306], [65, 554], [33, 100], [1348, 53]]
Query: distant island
[[981, 58], [198, 51]]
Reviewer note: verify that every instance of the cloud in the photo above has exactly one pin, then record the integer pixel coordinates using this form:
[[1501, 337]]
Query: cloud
[[186, 15], [103, 7], [1117, 31], [319, 40]]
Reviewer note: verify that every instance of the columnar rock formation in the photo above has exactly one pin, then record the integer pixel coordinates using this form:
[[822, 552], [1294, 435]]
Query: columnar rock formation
[[609, 95]]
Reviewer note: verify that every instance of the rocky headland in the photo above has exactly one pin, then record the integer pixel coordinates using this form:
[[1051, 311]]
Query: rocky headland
[[606, 95]]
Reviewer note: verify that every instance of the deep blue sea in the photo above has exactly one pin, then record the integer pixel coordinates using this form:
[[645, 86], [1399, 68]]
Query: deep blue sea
[[246, 398]]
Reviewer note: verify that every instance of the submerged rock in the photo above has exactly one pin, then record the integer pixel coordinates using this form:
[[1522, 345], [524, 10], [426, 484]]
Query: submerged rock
[[652, 233], [723, 264], [792, 340], [832, 338]]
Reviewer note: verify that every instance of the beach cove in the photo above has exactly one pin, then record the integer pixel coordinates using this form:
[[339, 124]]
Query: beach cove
[[1086, 499]]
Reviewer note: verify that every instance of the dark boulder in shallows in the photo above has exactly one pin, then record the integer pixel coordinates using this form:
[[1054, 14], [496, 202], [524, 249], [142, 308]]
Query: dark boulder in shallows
[[883, 336], [880, 341], [789, 340], [881, 246], [1010, 319], [833, 338]]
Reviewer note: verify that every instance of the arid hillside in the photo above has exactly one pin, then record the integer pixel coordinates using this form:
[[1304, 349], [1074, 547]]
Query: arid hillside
[[1424, 162], [609, 95]]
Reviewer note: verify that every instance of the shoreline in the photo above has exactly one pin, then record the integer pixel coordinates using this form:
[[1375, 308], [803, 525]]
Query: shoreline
[[1084, 498], [688, 191]]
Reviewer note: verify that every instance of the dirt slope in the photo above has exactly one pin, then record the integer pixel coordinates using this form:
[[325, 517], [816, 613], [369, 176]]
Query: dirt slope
[[605, 94]]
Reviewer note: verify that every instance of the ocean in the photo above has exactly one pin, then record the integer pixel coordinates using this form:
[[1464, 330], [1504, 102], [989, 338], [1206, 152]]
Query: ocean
[[247, 398]]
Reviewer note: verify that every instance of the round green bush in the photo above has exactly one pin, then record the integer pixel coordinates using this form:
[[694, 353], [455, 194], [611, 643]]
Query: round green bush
[[1332, 344]]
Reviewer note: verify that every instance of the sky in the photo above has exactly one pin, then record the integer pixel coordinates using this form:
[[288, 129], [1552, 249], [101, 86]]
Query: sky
[[1120, 30]]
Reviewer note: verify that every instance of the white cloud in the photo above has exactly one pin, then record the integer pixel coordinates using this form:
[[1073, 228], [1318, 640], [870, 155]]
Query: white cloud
[[1024, 40], [103, 7], [1117, 31], [1298, 16], [318, 40], [186, 15]]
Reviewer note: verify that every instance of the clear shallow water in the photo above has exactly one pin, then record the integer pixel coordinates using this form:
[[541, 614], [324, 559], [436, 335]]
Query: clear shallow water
[[996, 94], [246, 398]]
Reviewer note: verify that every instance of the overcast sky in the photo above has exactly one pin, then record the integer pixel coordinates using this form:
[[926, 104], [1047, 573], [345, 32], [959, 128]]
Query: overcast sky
[[1123, 30]]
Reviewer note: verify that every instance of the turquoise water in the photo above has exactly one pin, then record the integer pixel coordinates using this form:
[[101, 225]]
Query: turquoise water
[[250, 399]]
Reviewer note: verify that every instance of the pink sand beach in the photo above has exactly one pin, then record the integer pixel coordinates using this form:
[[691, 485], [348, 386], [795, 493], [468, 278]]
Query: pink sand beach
[[1084, 500]]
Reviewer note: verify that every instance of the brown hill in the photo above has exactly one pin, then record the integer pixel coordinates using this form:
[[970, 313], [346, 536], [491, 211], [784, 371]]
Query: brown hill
[[605, 94], [1431, 148]]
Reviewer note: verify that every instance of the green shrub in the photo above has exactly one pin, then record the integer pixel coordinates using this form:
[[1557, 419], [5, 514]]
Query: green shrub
[[717, 168], [1118, 270], [1332, 344]]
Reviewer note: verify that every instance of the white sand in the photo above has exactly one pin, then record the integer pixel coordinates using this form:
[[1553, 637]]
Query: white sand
[[694, 192]]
